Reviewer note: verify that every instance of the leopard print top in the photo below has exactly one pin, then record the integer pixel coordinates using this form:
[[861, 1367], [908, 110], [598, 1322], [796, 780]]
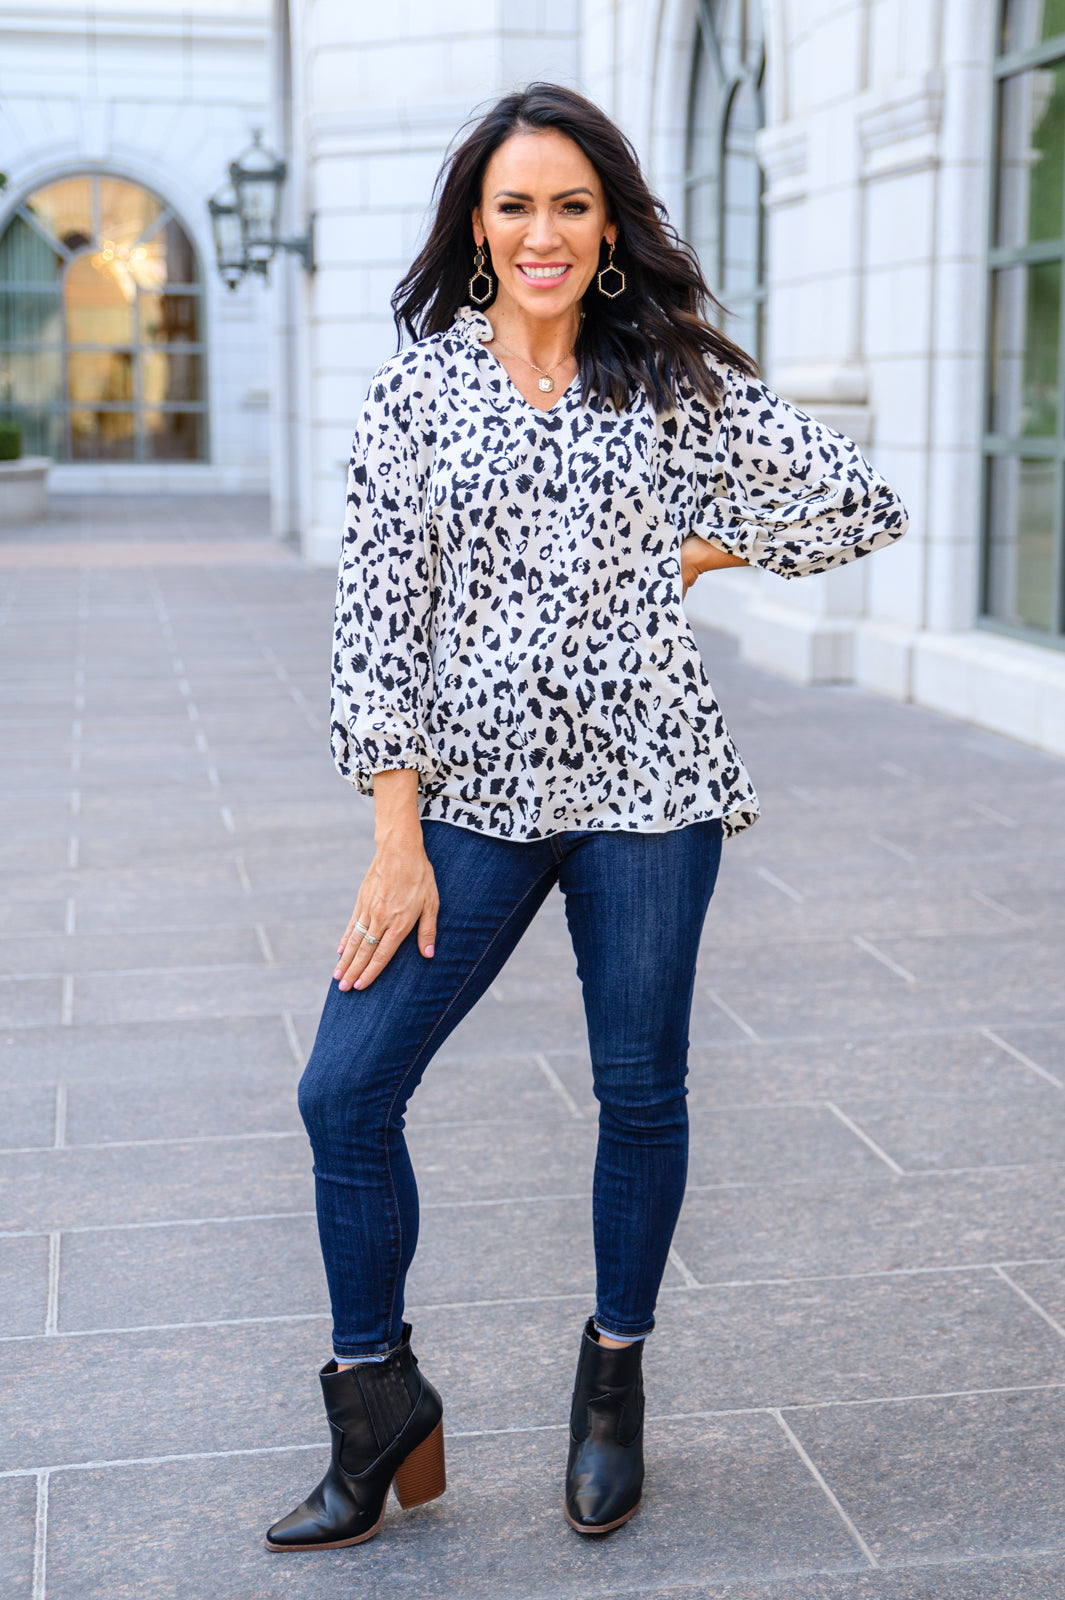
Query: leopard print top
[[509, 617]]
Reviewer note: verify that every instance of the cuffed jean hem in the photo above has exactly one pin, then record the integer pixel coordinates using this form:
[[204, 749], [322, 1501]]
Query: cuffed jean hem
[[378, 1352], [632, 1334]]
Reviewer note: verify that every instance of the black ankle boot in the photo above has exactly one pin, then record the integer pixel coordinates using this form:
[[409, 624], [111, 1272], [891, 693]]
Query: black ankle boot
[[604, 1477], [386, 1423]]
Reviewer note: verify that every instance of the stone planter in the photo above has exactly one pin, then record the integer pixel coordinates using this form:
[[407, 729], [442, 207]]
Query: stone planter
[[24, 490]]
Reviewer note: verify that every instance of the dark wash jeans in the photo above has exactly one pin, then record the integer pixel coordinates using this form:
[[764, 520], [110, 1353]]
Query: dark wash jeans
[[635, 904]]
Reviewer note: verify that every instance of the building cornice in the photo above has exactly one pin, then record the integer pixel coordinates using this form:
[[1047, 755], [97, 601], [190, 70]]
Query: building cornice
[[53, 22]]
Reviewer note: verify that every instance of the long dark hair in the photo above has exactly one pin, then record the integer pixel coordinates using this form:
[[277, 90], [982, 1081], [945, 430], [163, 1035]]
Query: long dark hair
[[656, 336]]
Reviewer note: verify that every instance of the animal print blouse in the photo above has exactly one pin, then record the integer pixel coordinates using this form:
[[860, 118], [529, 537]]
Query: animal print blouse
[[509, 618]]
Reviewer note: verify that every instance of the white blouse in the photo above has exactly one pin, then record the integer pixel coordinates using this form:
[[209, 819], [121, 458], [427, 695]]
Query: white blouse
[[509, 618]]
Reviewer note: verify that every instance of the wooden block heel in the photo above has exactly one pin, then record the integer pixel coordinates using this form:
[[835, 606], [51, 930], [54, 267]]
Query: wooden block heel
[[422, 1476]]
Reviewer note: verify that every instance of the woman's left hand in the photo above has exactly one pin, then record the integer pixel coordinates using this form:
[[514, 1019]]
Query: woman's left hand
[[698, 556]]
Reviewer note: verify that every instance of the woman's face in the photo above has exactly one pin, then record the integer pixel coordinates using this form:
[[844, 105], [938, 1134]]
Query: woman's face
[[544, 216]]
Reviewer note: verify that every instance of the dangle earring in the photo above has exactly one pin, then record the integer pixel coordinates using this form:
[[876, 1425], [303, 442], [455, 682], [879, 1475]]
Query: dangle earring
[[480, 270], [611, 294]]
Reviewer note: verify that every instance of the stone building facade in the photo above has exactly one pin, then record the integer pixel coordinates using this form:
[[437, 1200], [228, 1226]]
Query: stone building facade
[[122, 354], [876, 189]]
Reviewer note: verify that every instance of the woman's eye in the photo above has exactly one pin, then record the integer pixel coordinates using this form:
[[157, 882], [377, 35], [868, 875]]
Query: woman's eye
[[577, 207]]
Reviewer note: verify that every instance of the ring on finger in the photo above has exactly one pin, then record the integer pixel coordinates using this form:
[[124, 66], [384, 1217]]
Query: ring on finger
[[370, 940], [358, 928]]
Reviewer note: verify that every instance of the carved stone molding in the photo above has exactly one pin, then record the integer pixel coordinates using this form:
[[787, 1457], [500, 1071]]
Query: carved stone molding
[[899, 128], [783, 151]]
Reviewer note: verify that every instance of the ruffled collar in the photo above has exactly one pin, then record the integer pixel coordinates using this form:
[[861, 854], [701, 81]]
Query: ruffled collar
[[472, 325]]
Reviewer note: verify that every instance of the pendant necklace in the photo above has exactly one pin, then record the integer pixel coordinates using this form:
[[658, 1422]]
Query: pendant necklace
[[546, 382]]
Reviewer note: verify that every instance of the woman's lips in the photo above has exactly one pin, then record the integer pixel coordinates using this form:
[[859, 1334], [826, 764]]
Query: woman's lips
[[549, 277]]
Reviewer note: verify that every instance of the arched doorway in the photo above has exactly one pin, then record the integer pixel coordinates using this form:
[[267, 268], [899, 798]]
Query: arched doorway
[[723, 178], [101, 325]]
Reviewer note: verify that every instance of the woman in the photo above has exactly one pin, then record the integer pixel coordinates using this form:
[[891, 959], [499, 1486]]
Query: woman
[[535, 481]]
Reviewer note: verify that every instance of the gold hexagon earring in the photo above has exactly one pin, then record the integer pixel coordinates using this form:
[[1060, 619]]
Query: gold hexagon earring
[[611, 294], [480, 270]]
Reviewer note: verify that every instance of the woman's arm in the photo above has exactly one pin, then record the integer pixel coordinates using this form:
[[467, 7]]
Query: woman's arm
[[383, 673], [698, 556], [779, 489], [382, 661], [399, 889]]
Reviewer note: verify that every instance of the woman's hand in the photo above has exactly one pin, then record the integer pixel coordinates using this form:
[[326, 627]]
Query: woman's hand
[[397, 892], [698, 556]]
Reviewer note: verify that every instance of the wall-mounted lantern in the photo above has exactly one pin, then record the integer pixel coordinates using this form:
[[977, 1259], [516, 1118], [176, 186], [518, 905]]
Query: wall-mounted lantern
[[228, 244], [246, 214]]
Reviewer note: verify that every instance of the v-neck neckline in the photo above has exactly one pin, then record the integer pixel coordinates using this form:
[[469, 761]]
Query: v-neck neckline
[[472, 323], [545, 411]]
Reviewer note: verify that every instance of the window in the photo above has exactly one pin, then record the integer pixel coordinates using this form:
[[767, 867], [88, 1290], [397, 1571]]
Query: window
[[723, 182], [101, 325], [1023, 579]]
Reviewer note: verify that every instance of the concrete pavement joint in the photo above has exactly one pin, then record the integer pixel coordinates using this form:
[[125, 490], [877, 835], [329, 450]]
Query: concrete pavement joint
[[40, 1537], [993, 815], [298, 1054], [1003, 911], [848, 1122], [733, 1016], [59, 1126], [1019, 1055], [893, 849], [885, 960], [779, 884], [1050, 1321], [51, 1314], [824, 1486], [557, 1085], [678, 1262]]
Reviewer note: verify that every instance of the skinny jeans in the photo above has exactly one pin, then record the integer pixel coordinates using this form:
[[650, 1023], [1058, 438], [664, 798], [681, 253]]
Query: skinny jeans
[[635, 905]]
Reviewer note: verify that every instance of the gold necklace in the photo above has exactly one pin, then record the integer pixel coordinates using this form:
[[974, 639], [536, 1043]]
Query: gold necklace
[[546, 383]]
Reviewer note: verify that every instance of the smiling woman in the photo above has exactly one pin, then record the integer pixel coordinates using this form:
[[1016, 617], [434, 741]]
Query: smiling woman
[[566, 445]]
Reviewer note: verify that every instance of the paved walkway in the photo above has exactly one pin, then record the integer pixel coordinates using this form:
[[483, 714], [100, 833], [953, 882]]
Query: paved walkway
[[858, 1386]]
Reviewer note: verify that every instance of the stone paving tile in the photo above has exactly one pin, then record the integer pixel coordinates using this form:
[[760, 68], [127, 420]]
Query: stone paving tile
[[30, 1002], [23, 1286], [102, 1186], [147, 1052], [969, 1475], [18, 1516], [940, 1219], [1022, 1123], [741, 1145], [143, 1277], [920, 1066], [170, 994], [497, 1531], [27, 1114], [1044, 1282], [875, 1211], [147, 948]]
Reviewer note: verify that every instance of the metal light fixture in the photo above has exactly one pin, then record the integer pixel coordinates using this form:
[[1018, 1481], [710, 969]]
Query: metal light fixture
[[252, 204], [228, 243]]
